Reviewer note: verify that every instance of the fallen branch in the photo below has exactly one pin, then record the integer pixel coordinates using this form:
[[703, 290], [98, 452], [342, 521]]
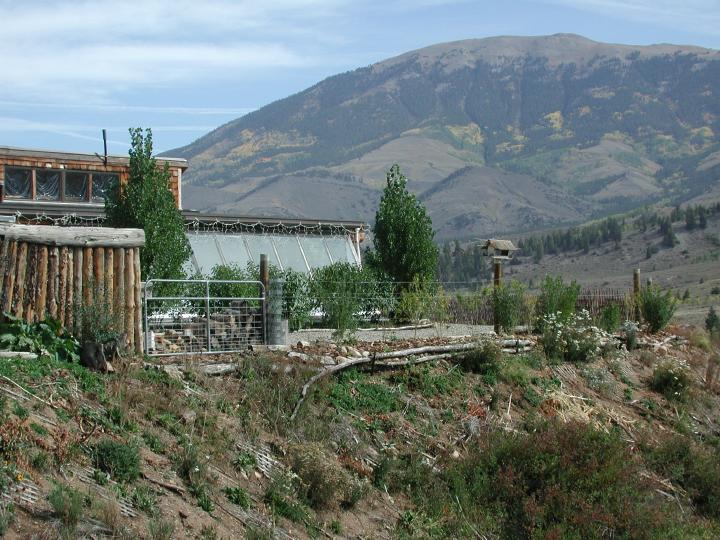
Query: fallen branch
[[171, 487]]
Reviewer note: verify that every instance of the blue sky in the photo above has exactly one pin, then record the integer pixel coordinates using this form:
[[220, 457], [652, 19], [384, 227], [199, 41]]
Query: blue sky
[[183, 67]]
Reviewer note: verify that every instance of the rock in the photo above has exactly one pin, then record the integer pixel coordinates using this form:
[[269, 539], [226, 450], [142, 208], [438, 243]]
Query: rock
[[456, 454], [352, 351], [341, 359], [365, 354], [300, 356], [327, 361], [276, 348], [288, 369], [303, 344], [188, 417], [331, 346], [183, 514], [343, 350]]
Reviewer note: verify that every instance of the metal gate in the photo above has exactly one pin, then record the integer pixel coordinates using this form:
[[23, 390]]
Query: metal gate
[[202, 316]]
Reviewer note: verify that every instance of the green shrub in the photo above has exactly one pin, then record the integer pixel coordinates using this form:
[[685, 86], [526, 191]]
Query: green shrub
[[610, 318], [556, 298], [559, 480], [657, 308], [485, 360], [572, 340], [67, 503], [280, 499], [356, 392], [239, 496], [47, 338], [695, 468], [338, 290], [324, 481], [160, 529], [144, 498], [7, 516], [712, 321], [508, 302], [120, 460], [671, 379], [629, 330]]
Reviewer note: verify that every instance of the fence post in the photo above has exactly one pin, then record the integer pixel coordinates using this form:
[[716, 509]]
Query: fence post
[[265, 280], [497, 282], [276, 332], [207, 314], [636, 293]]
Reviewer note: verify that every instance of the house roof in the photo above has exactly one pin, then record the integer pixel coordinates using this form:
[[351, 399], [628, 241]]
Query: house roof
[[56, 155]]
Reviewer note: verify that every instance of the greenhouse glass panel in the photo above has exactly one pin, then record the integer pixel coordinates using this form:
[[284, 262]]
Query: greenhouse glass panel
[[290, 254], [204, 251], [340, 249], [233, 249], [259, 244], [76, 186], [315, 251]]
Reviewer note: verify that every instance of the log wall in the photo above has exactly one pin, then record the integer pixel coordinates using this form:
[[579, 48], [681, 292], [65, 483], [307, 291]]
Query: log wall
[[46, 270]]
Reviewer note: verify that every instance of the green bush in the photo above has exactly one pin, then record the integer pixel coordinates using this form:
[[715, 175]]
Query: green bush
[[695, 468], [572, 340], [239, 496], [559, 480], [47, 338], [610, 318], [508, 302], [712, 321], [671, 379], [120, 460], [556, 298], [485, 360], [338, 290], [657, 308], [67, 503]]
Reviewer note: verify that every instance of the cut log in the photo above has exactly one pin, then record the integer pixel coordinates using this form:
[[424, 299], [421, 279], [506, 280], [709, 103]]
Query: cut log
[[21, 270], [129, 298], [42, 283], [109, 279], [31, 283], [70, 290], [73, 236], [87, 276], [62, 284], [119, 288], [137, 315], [99, 273], [52, 289], [9, 282]]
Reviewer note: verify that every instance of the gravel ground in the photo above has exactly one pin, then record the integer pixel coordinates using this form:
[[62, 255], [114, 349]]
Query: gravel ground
[[390, 334]]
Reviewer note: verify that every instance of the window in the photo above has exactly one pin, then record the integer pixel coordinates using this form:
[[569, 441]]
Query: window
[[101, 183], [47, 185], [44, 184], [76, 186], [18, 183]]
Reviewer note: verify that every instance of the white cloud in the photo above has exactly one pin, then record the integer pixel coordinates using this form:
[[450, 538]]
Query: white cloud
[[701, 16], [82, 52]]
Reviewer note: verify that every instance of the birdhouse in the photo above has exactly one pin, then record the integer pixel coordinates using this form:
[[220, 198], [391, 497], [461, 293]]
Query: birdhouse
[[498, 249]]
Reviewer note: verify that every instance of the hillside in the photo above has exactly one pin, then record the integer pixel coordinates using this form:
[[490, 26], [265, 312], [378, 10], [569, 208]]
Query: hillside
[[586, 128], [484, 444]]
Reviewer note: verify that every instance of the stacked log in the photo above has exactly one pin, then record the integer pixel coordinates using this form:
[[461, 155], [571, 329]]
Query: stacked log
[[50, 271]]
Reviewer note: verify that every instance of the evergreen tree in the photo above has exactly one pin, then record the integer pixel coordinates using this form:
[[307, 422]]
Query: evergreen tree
[[403, 233], [712, 321], [147, 203]]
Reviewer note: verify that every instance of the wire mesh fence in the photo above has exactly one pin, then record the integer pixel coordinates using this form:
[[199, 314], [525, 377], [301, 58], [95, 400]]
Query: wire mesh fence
[[202, 316], [338, 304]]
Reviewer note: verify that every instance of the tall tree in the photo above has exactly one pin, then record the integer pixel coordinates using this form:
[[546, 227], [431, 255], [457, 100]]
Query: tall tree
[[403, 233], [147, 203]]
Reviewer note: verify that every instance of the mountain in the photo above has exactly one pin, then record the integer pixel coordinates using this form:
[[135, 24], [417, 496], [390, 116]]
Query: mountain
[[495, 135]]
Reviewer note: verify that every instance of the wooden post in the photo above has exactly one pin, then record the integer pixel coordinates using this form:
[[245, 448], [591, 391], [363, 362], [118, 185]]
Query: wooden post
[[119, 288], [497, 283], [78, 277], [109, 281], [9, 282], [52, 297], [636, 294], [31, 283], [20, 280], [99, 273], [42, 283], [4, 242], [129, 298], [62, 285], [265, 279], [87, 275], [138, 303], [70, 289]]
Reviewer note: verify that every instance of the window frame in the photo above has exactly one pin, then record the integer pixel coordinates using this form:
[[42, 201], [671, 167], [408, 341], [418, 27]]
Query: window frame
[[32, 196]]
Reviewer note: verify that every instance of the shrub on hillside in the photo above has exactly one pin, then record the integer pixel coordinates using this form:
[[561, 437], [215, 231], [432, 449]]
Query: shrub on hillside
[[556, 298], [657, 307], [484, 360], [672, 379], [695, 468], [610, 318], [560, 480], [573, 340], [508, 303], [120, 460]]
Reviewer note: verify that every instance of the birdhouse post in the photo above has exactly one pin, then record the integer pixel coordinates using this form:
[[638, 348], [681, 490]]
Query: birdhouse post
[[499, 250]]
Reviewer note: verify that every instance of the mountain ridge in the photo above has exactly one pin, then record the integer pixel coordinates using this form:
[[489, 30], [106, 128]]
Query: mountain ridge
[[600, 123]]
